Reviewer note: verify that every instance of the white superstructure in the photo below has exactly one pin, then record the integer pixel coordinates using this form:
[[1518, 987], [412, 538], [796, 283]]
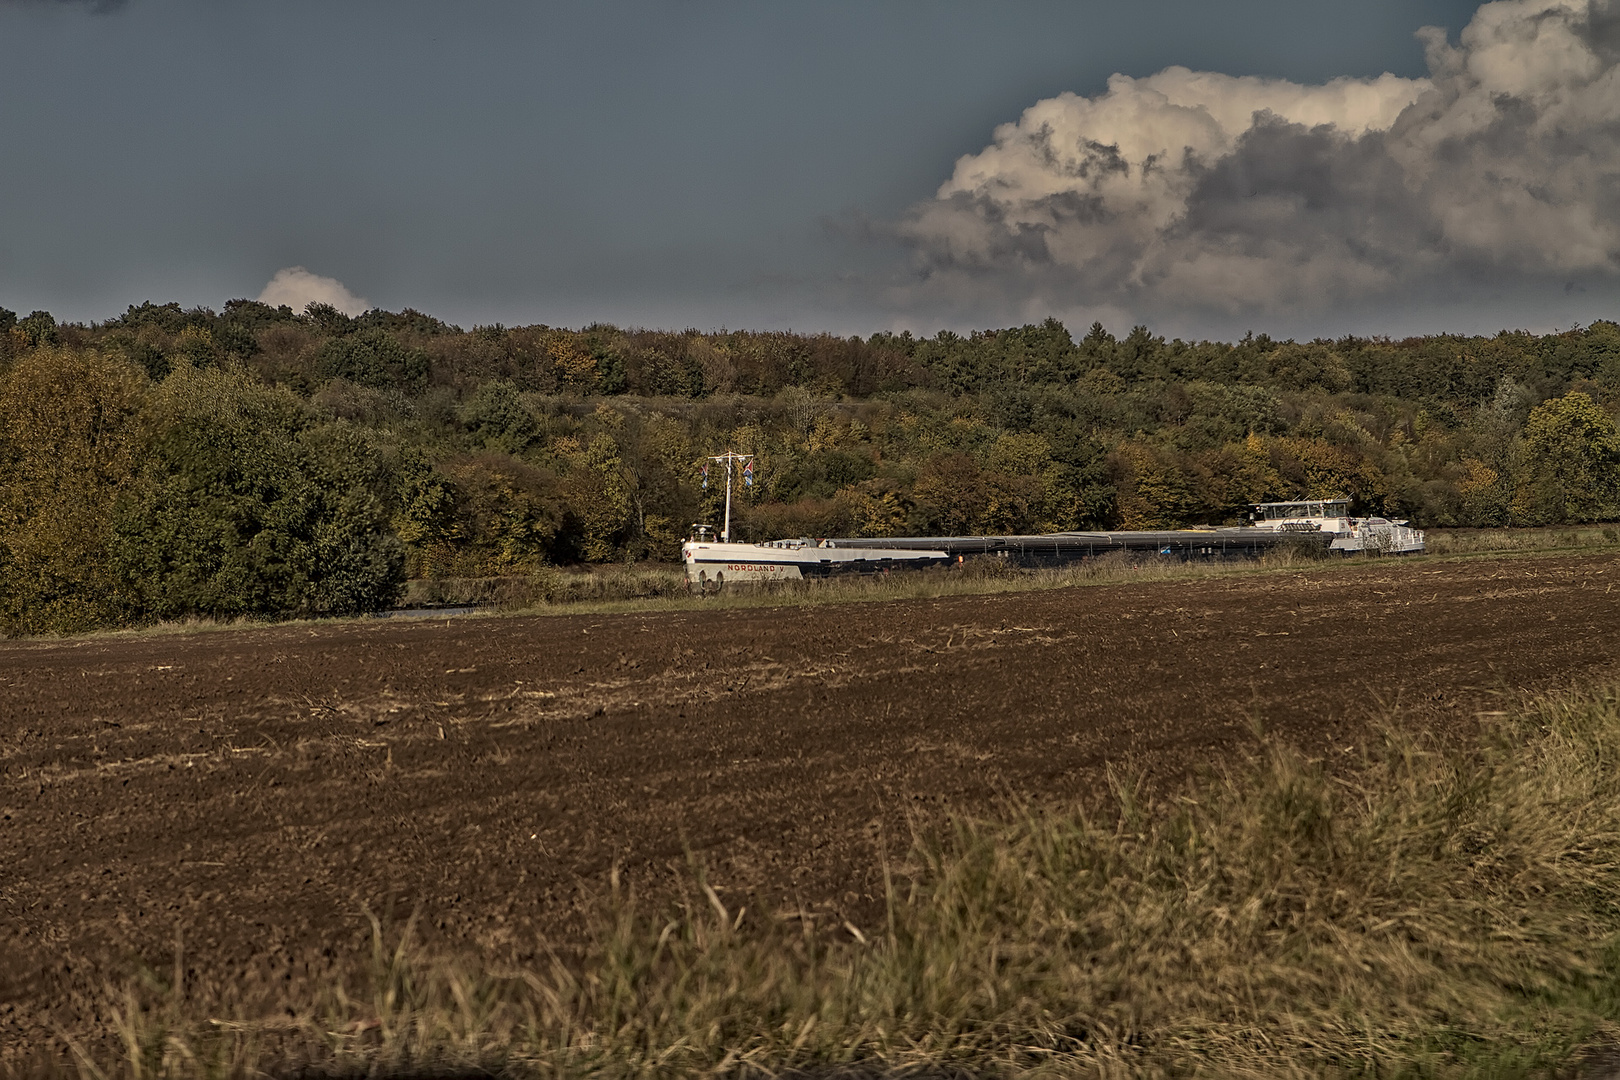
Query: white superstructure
[[1374, 535]]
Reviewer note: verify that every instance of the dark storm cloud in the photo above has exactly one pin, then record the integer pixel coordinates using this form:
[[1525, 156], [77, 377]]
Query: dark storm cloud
[[1189, 189], [1333, 213]]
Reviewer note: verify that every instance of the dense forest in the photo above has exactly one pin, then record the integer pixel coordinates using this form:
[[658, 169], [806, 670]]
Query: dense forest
[[265, 461]]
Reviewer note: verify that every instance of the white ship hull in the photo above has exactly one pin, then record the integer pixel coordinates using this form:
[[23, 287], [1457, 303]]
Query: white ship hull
[[714, 564]]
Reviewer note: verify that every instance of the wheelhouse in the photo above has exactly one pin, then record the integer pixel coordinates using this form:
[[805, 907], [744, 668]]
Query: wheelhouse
[[1306, 508]]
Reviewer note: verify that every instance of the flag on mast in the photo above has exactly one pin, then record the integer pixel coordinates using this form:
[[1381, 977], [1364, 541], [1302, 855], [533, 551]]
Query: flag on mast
[[748, 473], [705, 475]]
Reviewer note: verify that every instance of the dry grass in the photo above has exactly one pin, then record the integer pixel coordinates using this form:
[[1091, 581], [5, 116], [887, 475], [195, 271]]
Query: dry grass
[[1433, 912], [646, 587], [1496, 541], [551, 586], [660, 587]]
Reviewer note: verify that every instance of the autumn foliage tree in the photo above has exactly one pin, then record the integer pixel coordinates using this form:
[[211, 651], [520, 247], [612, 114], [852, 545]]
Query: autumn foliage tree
[[73, 427]]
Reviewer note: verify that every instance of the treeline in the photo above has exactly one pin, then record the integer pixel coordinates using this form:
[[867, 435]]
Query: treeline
[[259, 461]]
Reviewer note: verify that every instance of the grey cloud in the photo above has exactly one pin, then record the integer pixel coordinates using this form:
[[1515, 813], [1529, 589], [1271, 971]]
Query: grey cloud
[[97, 7], [1199, 190]]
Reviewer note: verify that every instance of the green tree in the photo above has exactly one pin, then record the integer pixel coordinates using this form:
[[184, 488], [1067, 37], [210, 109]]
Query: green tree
[[1154, 492], [497, 418], [599, 498], [245, 508], [425, 515], [352, 561], [506, 517], [373, 358], [950, 495], [328, 318], [1568, 458], [39, 328]]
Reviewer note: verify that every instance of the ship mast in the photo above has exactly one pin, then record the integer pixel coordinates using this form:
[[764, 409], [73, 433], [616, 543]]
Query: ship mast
[[729, 460]]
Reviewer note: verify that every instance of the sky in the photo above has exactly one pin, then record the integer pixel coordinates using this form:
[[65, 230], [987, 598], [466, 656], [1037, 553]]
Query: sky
[[1298, 167]]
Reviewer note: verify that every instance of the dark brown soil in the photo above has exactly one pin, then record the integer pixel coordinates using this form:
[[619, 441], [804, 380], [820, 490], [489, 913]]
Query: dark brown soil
[[253, 793]]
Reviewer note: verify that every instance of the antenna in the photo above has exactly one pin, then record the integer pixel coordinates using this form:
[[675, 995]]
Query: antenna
[[730, 459]]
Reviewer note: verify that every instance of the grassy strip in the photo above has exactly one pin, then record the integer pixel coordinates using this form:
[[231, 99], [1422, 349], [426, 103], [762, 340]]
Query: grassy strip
[[976, 578], [1485, 541], [651, 588], [1434, 912], [644, 589]]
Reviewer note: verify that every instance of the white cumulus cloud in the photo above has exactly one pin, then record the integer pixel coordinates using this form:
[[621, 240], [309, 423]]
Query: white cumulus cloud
[[297, 287], [1248, 194]]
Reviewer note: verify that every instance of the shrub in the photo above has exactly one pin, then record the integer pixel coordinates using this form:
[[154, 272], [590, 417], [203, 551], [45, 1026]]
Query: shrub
[[245, 508]]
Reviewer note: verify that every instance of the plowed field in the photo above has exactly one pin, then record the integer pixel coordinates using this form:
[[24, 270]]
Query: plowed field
[[252, 793]]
